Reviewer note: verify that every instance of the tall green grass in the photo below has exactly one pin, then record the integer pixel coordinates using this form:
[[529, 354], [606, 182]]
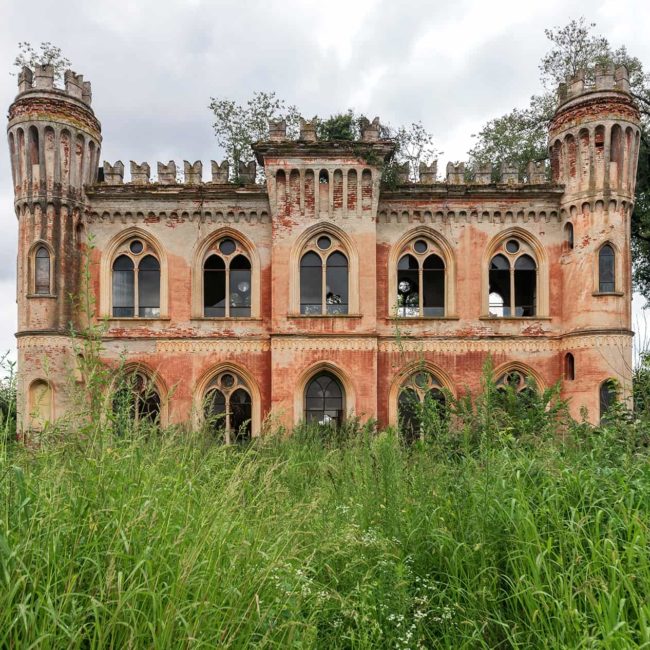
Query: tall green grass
[[168, 541]]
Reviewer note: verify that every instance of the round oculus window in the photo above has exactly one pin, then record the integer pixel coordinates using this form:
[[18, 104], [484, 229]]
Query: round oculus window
[[227, 247], [324, 243], [227, 380], [512, 246], [420, 246], [136, 247]]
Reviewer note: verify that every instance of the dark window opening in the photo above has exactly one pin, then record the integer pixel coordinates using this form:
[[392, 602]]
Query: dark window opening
[[324, 400], [227, 284], [149, 287], [433, 286], [42, 273], [336, 289], [569, 367], [311, 284], [123, 287], [420, 284], [135, 401], [420, 393], [240, 287], [408, 286], [608, 396], [606, 272], [525, 279], [228, 410], [499, 299]]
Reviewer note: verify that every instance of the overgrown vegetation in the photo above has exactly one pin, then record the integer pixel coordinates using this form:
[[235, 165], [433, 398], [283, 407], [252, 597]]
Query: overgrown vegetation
[[505, 525]]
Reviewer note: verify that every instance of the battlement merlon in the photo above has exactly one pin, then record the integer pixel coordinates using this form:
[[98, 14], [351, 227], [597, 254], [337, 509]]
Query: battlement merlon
[[42, 79], [606, 78]]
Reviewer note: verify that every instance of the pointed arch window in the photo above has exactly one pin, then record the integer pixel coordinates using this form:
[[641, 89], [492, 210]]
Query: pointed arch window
[[228, 407], [513, 281], [420, 280], [419, 392], [324, 400], [608, 396], [136, 400], [518, 382], [324, 277], [606, 269], [42, 271], [227, 281], [136, 282]]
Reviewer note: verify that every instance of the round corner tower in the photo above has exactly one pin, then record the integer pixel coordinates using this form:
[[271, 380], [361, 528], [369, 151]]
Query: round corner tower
[[594, 141], [54, 145]]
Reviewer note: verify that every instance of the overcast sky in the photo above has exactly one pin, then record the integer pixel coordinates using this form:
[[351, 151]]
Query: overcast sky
[[154, 64]]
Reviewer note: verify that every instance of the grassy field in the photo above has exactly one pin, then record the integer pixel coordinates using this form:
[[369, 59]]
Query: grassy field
[[173, 542]]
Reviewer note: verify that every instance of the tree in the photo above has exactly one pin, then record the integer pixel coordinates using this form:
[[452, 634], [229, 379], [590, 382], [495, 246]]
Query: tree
[[238, 126], [414, 146], [48, 54], [520, 135]]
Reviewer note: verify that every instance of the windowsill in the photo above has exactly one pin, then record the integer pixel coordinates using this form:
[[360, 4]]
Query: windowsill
[[324, 315], [597, 294], [42, 295], [137, 319], [514, 318], [227, 319], [415, 319]]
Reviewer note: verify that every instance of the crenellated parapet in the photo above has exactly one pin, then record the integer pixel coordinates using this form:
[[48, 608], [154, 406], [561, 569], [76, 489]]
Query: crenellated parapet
[[54, 137], [594, 135], [604, 78], [169, 174]]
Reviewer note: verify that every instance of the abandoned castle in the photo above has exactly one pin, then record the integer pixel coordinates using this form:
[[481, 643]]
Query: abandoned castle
[[321, 294]]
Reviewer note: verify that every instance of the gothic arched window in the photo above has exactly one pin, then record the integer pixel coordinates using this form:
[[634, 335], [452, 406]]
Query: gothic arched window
[[517, 381], [420, 280], [228, 407], [42, 271], [324, 283], [419, 391], [324, 400], [227, 285], [136, 281], [606, 269], [608, 396], [513, 281], [136, 399]]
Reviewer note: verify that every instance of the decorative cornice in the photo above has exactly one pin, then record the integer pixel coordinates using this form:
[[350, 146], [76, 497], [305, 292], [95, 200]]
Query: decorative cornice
[[53, 106], [235, 346], [300, 344], [172, 217], [363, 151], [27, 341], [406, 214], [505, 345]]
